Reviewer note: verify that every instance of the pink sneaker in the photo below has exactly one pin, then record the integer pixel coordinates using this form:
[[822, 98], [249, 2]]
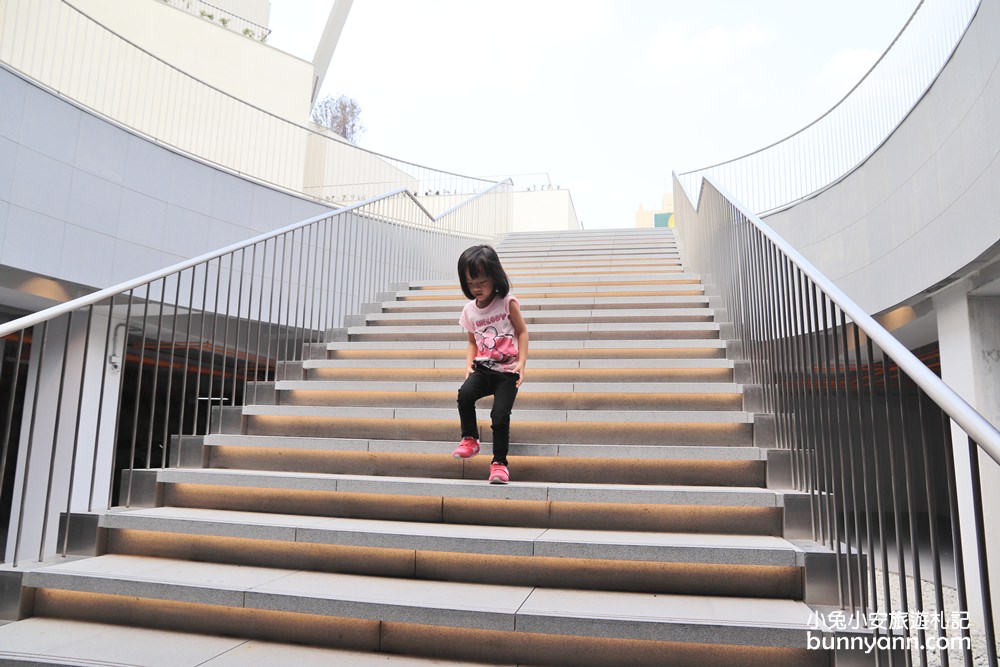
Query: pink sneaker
[[499, 474], [466, 449]]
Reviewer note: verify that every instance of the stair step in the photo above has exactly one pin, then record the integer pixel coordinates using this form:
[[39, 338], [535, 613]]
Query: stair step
[[715, 428], [633, 330], [565, 291], [702, 548], [508, 609], [532, 304], [353, 457], [520, 416], [643, 388], [556, 492], [535, 396], [550, 349], [596, 278], [572, 316], [54, 641], [542, 364], [517, 449]]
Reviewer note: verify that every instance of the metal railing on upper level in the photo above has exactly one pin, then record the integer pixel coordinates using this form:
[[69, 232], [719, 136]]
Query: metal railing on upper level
[[827, 149], [97, 387], [226, 19], [872, 434], [62, 49]]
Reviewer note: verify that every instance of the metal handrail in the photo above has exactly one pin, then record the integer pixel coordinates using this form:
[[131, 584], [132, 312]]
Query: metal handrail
[[89, 299], [197, 338], [344, 172], [877, 442], [96, 297], [788, 170], [983, 432]]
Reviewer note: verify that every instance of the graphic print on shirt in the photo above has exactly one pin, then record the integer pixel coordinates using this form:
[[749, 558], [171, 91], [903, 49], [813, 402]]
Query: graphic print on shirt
[[494, 334], [497, 347]]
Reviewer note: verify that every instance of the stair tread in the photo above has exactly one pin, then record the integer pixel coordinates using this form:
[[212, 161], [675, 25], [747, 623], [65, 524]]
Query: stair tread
[[526, 388], [666, 343], [533, 314], [466, 538], [531, 304], [517, 416], [546, 328], [458, 363], [597, 277], [467, 488], [84, 644], [441, 447], [561, 290], [667, 617]]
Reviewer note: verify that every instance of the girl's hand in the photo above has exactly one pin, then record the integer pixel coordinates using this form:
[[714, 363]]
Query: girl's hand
[[468, 370], [519, 369]]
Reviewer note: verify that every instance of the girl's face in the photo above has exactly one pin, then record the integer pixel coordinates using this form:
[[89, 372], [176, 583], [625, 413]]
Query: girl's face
[[481, 287]]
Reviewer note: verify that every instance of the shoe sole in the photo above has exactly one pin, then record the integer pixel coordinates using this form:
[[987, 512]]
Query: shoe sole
[[459, 456], [497, 480]]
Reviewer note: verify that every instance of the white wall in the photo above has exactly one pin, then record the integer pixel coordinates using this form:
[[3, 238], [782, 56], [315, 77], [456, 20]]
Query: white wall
[[544, 210], [925, 204], [85, 201], [245, 68]]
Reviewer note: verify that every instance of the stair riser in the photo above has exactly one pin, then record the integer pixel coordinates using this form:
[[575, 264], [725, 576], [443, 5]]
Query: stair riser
[[537, 353], [539, 293], [737, 520], [511, 570], [361, 334], [729, 435], [544, 304], [536, 374], [529, 319], [528, 469], [525, 400], [405, 638]]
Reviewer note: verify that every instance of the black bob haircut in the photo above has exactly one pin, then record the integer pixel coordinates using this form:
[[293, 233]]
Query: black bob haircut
[[482, 260]]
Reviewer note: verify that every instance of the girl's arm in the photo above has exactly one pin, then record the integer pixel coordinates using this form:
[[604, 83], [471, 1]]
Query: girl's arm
[[470, 353], [521, 329]]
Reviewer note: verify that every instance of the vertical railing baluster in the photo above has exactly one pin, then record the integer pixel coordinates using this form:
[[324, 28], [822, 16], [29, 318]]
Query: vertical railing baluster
[[76, 429], [29, 449], [957, 548], [156, 377], [137, 395], [932, 519], [911, 511], [54, 452], [165, 436], [9, 425], [985, 592], [894, 489]]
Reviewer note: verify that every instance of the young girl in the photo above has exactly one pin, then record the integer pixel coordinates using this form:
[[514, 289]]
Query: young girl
[[495, 358]]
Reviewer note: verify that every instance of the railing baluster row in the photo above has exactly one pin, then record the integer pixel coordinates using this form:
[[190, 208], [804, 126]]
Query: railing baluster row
[[819, 154], [867, 428], [187, 343]]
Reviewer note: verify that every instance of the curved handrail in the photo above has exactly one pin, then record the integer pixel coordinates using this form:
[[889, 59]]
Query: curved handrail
[[468, 202], [826, 113], [96, 297], [155, 120], [788, 166], [956, 407]]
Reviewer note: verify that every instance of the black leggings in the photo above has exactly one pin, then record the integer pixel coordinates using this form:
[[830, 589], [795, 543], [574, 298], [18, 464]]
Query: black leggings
[[484, 382]]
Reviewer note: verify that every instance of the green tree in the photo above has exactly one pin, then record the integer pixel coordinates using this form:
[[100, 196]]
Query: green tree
[[340, 114]]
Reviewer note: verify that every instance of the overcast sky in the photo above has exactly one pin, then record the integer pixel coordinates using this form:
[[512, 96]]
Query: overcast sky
[[606, 96]]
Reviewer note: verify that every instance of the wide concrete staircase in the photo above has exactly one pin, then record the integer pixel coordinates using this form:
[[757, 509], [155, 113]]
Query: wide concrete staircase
[[328, 523]]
